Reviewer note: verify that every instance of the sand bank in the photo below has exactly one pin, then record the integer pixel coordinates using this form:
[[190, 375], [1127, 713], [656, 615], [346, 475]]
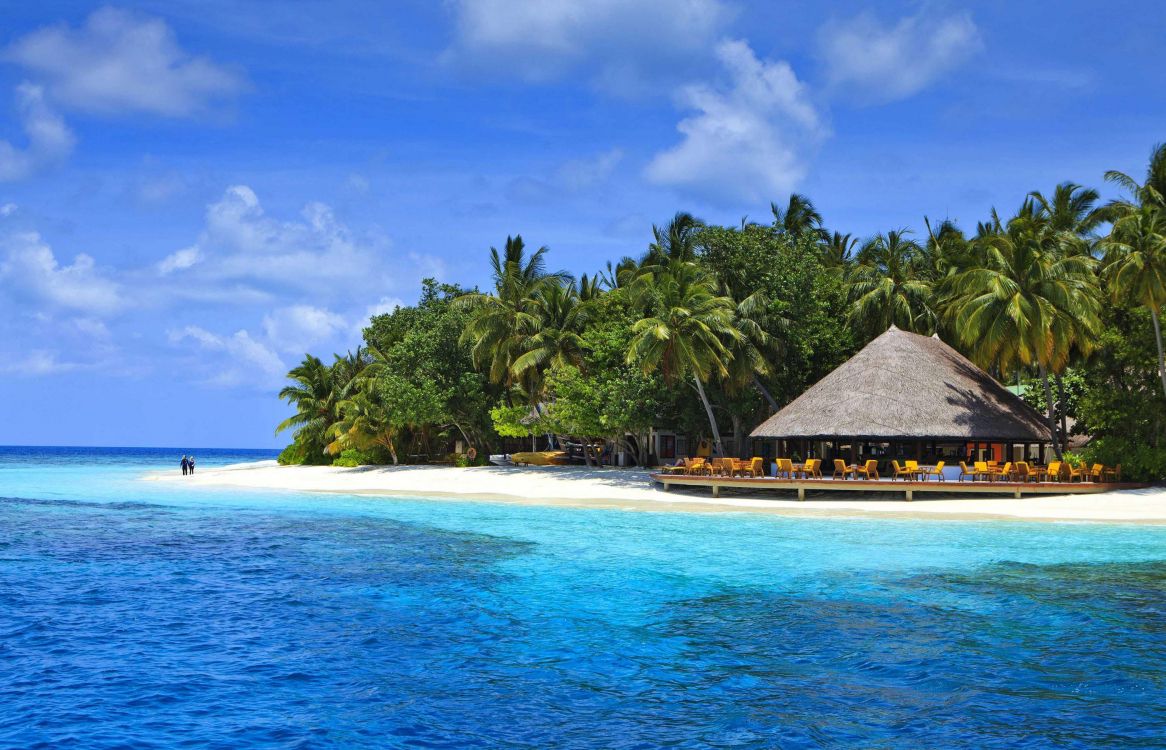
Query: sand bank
[[578, 486]]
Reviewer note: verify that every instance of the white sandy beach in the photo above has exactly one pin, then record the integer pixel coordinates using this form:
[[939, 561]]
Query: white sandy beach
[[578, 486]]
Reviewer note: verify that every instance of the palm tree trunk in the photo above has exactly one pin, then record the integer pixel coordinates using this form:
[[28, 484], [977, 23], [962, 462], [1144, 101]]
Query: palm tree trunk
[[708, 409], [1161, 356], [1063, 411], [765, 393], [1044, 376]]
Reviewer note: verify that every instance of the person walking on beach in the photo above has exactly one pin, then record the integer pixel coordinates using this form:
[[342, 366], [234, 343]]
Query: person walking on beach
[[191, 462], [185, 465]]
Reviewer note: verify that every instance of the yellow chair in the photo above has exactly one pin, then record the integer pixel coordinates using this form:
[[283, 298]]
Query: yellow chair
[[757, 467], [1023, 472], [1113, 473], [936, 471], [1004, 473], [981, 468], [1097, 473], [1055, 471], [900, 471], [869, 470], [966, 472], [841, 470], [1077, 474]]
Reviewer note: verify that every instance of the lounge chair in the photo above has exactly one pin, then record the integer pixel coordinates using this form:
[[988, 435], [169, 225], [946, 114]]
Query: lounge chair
[[1077, 474], [868, 470], [981, 468], [783, 468], [814, 471], [757, 467], [1112, 473], [680, 467], [901, 471], [841, 470], [966, 472], [1003, 473], [1097, 473], [1023, 473], [1055, 471], [935, 471]]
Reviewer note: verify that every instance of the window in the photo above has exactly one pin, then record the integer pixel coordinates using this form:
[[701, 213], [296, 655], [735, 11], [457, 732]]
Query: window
[[667, 446]]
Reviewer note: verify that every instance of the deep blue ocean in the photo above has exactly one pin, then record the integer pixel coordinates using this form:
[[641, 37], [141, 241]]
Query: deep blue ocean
[[138, 614]]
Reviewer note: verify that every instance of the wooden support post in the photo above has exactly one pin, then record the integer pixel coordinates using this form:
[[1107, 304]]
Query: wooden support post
[[910, 494], [1016, 493], [801, 493], [666, 486], [716, 490]]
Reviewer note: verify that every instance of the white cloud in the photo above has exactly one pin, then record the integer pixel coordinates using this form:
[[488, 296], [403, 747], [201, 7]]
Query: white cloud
[[179, 260], [49, 139], [36, 363], [880, 63], [121, 63], [29, 267], [621, 43], [245, 360], [7, 209], [296, 329], [317, 253], [748, 139]]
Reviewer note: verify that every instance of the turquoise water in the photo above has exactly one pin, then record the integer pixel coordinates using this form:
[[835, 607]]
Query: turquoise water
[[141, 614]]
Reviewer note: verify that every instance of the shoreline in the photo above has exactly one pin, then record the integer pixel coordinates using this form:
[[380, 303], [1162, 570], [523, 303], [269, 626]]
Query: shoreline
[[631, 489]]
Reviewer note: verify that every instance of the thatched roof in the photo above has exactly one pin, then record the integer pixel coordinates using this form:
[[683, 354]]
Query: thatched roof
[[903, 386]]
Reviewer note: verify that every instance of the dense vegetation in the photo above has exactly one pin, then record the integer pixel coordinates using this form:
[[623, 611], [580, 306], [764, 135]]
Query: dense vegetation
[[713, 328]]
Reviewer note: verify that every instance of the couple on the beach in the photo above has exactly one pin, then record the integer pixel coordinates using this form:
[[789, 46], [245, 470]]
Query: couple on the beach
[[187, 465]]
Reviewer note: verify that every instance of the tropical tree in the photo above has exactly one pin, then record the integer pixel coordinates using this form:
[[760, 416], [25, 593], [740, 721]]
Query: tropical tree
[[555, 333], [503, 321], [676, 240], [1135, 265], [798, 217], [1026, 305], [887, 288], [684, 329], [837, 250]]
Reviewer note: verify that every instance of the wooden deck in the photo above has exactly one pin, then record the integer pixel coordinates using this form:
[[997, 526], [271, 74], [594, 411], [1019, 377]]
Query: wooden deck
[[1015, 489]]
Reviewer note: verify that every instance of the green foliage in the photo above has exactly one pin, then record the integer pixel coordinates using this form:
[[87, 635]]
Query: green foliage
[[292, 455], [508, 422], [1139, 461], [351, 457]]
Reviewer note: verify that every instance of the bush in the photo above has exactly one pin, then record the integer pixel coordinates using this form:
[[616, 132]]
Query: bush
[[293, 455], [352, 457], [1139, 462]]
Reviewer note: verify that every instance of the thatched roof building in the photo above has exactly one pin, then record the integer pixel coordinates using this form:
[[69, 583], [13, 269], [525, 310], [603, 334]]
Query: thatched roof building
[[907, 387]]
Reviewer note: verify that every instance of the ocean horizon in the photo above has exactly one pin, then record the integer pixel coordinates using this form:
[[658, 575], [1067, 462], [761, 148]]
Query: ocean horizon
[[150, 614]]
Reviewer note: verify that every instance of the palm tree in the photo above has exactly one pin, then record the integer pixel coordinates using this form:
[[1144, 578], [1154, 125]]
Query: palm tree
[[886, 288], [1027, 304], [837, 250], [1153, 190], [684, 328], [502, 321], [363, 423], [1135, 265], [798, 217], [555, 335], [312, 395], [676, 240]]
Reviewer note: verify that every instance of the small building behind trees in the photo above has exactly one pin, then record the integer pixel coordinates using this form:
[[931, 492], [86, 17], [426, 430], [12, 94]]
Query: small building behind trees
[[907, 396]]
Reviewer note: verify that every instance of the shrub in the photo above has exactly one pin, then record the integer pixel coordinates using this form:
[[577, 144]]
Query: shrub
[[293, 455], [352, 457], [1139, 461]]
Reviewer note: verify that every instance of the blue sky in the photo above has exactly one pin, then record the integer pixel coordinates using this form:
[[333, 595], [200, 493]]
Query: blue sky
[[193, 194]]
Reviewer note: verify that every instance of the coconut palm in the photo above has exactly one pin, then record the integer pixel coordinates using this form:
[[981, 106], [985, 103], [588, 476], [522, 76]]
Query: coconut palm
[[502, 321], [1153, 190], [886, 287], [798, 217], [555, 335], [684, 330], [313, 395], [1027, 304], [676, 240], [364, 422], [837, 249], [1135, 265]]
